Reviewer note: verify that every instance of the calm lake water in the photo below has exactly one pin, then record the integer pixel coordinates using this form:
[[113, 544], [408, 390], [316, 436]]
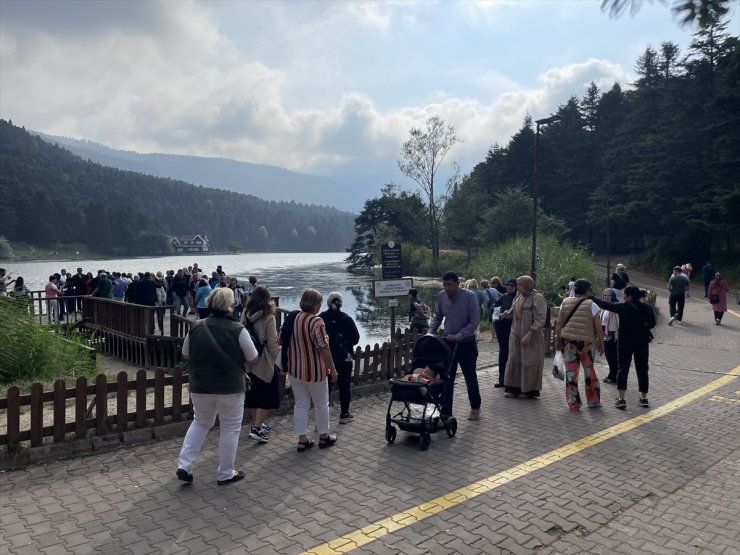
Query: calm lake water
[[286, 274]]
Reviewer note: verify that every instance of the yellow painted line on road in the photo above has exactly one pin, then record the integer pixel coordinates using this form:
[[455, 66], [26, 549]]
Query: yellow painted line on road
[[412, 515]]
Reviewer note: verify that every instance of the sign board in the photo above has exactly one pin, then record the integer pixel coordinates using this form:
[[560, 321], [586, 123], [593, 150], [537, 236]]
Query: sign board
[[393, 302], [390, 260], [392, 287]]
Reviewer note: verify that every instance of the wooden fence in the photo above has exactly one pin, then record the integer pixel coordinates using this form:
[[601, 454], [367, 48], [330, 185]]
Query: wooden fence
[[104, 407], [90, 410]]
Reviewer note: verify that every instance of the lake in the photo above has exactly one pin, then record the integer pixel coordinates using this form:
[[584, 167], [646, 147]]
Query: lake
[[286, 274]]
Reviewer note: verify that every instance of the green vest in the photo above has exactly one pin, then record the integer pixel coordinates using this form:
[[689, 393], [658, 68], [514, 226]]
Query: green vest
[[216, 360]]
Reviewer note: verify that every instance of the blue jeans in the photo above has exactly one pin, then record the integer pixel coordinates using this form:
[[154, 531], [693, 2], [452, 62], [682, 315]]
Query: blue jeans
[[466, 355], [181, 302]]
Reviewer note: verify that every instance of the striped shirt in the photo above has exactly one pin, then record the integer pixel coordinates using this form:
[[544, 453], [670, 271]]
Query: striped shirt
[[304, 352]]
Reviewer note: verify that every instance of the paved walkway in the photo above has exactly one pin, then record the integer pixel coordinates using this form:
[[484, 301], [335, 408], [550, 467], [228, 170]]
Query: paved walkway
[[529, 477]]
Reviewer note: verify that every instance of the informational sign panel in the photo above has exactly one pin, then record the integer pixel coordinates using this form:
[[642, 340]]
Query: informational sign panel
[[390, 260], [392, 287]]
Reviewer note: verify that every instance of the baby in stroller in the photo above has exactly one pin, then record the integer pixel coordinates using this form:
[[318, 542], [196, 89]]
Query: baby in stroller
[[420, 392], [424, 375]]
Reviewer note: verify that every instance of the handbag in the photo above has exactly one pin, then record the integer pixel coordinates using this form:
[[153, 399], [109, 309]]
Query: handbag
[[264, 368], [558, 366], [714, 299]]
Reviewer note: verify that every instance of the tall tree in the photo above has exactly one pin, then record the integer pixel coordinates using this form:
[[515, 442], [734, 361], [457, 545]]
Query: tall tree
[[421, 157]]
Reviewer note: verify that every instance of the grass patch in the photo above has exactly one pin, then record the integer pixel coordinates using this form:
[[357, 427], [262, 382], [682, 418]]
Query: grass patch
[[31, 352]]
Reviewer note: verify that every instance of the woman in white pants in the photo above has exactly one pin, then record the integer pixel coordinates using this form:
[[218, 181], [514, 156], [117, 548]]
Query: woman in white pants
[[217, 347], [308, 360]]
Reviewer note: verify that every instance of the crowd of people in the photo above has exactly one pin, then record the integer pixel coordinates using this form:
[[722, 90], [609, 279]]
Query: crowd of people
[[236, 329]]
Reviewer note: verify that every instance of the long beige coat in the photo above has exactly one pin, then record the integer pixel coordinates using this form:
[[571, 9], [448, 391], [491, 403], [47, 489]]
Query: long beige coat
[[526, 364]]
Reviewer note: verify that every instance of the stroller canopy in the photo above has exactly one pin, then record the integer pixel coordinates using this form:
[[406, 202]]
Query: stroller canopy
[[432, 351]]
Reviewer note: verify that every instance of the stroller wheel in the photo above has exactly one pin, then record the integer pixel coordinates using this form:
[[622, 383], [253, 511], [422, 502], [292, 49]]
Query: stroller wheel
[[451, 426], [390, 434], [425, 440]]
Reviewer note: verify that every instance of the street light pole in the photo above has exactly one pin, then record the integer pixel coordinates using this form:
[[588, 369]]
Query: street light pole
[[533, 263]]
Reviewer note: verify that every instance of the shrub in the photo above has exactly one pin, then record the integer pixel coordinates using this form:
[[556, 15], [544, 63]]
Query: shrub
[[556, 263], [417, 261], [31, 352]]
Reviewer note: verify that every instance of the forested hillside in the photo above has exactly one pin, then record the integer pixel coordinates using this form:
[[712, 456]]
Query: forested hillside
[[661, 159], [50, 196], [262, 181]]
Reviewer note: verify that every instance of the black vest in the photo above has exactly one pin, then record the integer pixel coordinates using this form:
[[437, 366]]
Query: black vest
[[216, 360]]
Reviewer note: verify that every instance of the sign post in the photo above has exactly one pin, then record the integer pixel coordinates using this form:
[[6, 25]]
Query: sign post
[[392, 288], [390, 260]]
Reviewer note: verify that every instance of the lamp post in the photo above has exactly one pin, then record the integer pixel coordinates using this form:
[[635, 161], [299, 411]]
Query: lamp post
[[533, 264]]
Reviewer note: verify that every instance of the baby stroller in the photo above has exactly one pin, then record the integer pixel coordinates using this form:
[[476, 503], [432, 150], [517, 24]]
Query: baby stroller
[[421, 402]]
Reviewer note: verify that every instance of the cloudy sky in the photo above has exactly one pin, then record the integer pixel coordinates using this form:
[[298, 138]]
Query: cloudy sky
[[328, 88]]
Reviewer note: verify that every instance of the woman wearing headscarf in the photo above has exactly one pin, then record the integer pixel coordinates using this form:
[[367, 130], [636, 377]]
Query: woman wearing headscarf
[[343, 336], [636, 319], [308, 361], [265, 394], [217, 347], [717, 292], [577, 332], [526, 342]]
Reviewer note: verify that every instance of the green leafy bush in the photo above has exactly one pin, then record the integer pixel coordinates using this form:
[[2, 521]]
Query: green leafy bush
[[417, 261], [31, 352], [556, 263]]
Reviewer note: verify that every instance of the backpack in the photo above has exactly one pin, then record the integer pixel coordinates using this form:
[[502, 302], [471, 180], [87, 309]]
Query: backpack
[[338, 347], [259, 345]]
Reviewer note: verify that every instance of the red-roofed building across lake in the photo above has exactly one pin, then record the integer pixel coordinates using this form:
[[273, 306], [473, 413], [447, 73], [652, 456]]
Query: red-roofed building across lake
[[190, 243]]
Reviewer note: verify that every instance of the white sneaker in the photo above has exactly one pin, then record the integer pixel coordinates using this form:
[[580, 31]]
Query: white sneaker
[[673, 319]]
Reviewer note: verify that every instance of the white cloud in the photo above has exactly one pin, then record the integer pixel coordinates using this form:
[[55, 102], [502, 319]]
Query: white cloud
[[144, 76]]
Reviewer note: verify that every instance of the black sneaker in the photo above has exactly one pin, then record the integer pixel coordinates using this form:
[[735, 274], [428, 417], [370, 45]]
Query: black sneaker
[[184, 475], [644, 402], [257, 434], [265, 429], [238, 475], [345, 417], [621, 404]]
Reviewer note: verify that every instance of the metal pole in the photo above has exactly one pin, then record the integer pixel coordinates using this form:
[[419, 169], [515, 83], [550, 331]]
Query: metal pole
[[608, 253], [533, 263]]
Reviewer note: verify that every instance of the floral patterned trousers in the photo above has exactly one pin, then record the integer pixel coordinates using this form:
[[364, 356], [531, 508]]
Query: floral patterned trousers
[[575, 354]]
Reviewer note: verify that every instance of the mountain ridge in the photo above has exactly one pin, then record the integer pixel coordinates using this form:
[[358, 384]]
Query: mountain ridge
[[260, 180]]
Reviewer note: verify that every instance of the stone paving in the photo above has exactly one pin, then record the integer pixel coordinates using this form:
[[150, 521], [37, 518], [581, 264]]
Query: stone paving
[[669, 485]]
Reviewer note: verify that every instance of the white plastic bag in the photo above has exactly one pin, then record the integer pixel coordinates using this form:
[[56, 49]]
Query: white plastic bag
[[558, 366]]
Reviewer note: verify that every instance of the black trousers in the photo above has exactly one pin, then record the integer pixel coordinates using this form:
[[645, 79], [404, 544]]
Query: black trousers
[[503, 331], [344, 382], [718, 315], [641, 353], [675, 305], [612, 358]]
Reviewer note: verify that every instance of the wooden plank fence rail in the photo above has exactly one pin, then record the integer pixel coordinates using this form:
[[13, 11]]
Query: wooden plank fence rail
[[104, 406], [89, 398]]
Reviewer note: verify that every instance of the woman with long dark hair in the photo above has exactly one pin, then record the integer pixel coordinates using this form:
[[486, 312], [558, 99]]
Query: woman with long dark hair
[[259, 316], [636, 319]]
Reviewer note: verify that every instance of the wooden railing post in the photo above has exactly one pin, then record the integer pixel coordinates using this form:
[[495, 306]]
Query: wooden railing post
[[14, 416], [177, 394], [81, 408], [141, 398], [122, 402], [60, 410], [159, 396], [37, 414], [101, 405]]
